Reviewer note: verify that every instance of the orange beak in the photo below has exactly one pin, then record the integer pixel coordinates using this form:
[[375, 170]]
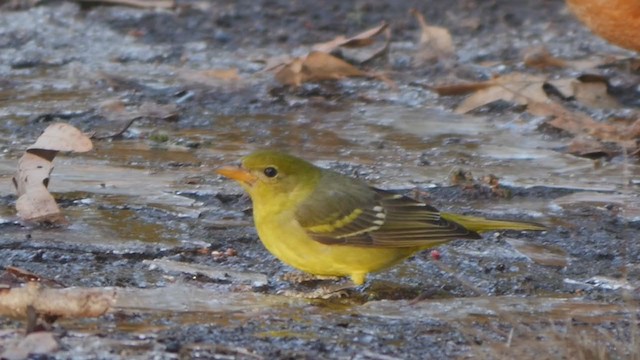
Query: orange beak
[[238, 174]]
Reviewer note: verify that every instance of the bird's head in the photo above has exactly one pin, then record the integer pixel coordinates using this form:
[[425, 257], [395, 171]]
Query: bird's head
[[274, 177]]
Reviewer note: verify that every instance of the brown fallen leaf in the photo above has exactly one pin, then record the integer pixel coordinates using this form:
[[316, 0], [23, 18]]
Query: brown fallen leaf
[[33, 170], [358, 49], [317, 66], [62, 137], [35, 203], [68, 302], [435, 43], [362, 39], [516, 87], [39, 206]]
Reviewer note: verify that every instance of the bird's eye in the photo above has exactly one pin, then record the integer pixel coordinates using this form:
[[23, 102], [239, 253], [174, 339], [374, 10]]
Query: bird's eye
[[270, 172]]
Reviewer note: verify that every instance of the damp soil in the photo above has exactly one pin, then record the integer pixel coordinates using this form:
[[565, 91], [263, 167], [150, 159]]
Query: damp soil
[[150, 195]]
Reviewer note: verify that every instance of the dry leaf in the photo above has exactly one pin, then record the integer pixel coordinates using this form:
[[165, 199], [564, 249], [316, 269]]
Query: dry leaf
[[365, 38], [316, 66], [62, 137], [69, 302], [33, 170], [363, 55], [435, 42], [38, 205], [518, 88], [35, 203]]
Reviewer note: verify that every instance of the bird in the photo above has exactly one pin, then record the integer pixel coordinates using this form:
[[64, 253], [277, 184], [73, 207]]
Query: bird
[[617, 21], [331, 225]]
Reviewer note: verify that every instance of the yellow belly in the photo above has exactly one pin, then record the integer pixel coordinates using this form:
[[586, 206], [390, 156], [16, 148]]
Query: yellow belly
[[287, 240]]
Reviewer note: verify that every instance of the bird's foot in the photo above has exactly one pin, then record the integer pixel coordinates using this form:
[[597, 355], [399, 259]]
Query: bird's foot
[[300, 277], [338, 291]]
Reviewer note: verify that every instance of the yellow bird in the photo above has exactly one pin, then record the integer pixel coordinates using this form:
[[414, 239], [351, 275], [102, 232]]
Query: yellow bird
[[328, 224]]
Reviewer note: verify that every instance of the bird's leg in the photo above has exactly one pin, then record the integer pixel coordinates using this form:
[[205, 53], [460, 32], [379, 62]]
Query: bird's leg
[[316, 286], [301, 277], [334, 291]]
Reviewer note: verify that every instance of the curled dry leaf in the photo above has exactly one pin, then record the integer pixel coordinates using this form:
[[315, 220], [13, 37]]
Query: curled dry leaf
[[62, 137], [358, 49], [35, 203], [435, 43], [38, 205], [365, 38], [69, 302], [317, 66], [32, 170]]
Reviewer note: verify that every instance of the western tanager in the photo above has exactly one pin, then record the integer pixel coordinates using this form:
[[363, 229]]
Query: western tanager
[[328, 224]]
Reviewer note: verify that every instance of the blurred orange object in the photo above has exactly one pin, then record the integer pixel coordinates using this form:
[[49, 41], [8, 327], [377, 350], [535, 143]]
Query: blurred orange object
[[617, 21]]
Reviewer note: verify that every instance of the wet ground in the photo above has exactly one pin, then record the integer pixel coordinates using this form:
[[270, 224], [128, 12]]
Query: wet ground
[[148, 214]]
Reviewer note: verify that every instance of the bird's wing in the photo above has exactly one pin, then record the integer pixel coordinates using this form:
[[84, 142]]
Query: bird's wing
[[344, 211]]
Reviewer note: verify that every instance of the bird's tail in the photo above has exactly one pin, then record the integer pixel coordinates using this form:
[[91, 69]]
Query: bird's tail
[[480, 224]]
